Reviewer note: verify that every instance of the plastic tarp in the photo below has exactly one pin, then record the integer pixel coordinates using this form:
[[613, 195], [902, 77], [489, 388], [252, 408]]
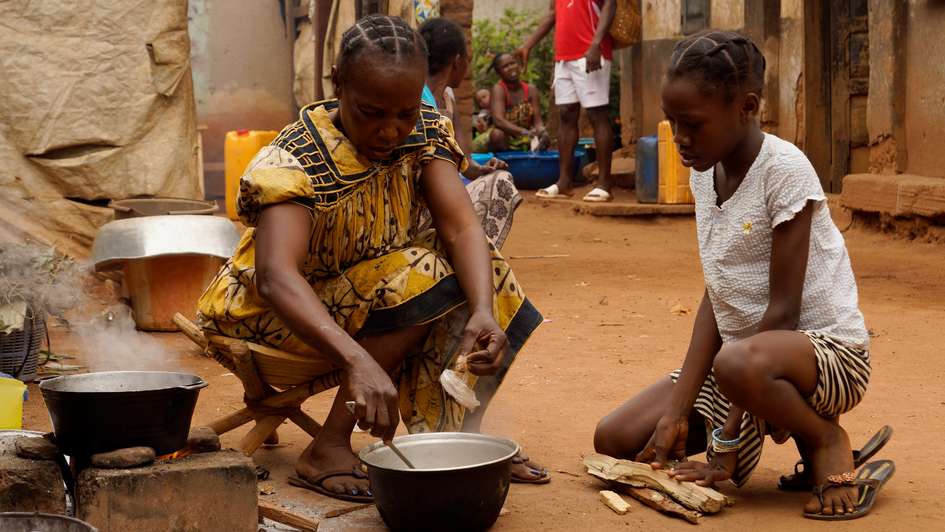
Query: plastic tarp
[[97, 103]]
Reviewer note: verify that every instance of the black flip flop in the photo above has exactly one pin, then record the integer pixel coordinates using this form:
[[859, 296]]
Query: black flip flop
[[869, 480], [543, 477], [800, 481], [317, 485]]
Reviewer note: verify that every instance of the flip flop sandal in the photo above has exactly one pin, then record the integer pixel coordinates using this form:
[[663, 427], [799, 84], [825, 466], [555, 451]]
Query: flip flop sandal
[[800, 481], [598, 195], [317, 485], [543, 476], [870, 479], [551, 192]]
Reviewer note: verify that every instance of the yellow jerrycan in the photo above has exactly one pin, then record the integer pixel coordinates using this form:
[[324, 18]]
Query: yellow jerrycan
[[239, 148], [674, 177]]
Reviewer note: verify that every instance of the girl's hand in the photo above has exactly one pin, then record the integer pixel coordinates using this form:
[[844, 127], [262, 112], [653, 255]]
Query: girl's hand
[[719, 468], [668, 442], [485, 342]]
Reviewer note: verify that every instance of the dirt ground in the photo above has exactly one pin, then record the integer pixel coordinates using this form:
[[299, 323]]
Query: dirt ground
[[609, 333]]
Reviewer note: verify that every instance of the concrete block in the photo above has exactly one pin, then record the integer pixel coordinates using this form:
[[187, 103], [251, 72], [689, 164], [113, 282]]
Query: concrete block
[[28, 485], [209, 491], [899, 195]]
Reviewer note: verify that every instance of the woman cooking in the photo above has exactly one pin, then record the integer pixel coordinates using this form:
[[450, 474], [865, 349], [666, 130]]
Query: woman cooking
[[335, 267]]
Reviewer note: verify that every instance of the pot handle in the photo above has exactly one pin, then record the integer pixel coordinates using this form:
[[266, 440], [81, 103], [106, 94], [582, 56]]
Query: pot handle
[[195, 386]]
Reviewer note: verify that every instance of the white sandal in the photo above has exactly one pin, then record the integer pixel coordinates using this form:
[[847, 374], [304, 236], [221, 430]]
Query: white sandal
[[598, 195], [551, 193]]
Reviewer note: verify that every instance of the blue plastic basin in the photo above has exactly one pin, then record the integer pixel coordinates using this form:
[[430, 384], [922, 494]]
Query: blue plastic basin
[[532, 171]]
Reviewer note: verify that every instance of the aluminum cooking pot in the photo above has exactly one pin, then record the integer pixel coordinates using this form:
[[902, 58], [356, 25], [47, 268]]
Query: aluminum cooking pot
[[460, 483], [101, 412]]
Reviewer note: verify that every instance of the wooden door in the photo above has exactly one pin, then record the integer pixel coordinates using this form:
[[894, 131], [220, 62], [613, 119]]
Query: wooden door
[[850, 76]]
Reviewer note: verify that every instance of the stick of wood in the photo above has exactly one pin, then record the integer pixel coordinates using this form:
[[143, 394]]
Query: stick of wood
[[614, 502], [689, 494], [286, 517], [523, 257], [347, 510], [662, 503]]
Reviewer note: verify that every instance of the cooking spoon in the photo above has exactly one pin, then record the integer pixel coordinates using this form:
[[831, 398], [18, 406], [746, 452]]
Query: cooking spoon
[[350, 405]]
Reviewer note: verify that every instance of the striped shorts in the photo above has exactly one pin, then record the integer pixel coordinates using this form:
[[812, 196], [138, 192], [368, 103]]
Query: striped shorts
[[843, 373]]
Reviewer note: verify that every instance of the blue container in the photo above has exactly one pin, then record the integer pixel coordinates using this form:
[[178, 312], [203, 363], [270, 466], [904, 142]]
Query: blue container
[[482, 158], [532, 171], [648, 171]]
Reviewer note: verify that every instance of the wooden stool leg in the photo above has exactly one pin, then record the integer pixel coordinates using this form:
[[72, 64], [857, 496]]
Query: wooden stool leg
[[306, 423], [230, 422], [262, 430]]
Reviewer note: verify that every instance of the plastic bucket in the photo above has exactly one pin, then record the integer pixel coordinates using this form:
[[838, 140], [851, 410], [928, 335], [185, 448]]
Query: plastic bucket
[[11, 403]]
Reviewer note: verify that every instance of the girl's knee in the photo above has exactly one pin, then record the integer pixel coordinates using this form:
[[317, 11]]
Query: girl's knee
[[605, 437], [738, 366], [497, 135]]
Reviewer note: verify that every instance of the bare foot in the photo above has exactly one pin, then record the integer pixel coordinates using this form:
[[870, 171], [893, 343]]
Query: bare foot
[[318, 459], [525, 470], [832, 456]]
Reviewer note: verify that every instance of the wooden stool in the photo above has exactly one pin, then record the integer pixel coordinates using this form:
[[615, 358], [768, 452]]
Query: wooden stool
[[264, 404]]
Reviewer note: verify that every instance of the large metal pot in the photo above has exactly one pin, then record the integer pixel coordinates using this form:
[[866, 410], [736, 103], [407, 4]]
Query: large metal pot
[[100, 412], [33, 522], [460, 483]]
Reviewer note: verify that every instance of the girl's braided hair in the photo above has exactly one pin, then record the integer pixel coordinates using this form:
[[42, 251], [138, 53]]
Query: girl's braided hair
[[725, 60], [388, 35], [444, 40]]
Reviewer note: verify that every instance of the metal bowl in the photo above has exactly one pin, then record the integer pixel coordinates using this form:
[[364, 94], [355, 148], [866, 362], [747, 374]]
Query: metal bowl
[[153, 236], [101, 412], [460, 483], [32, 522]]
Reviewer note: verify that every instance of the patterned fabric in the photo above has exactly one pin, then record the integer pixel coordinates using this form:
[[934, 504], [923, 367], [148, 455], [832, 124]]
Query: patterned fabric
[[425, 9], [735, 247], [370, 262], [843, 373]]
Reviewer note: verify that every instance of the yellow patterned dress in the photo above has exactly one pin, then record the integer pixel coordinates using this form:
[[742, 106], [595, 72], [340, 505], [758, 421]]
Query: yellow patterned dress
[[370, 261]]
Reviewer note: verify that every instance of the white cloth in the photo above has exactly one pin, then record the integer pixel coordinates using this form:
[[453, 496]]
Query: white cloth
[[573, 83], [735, 247]]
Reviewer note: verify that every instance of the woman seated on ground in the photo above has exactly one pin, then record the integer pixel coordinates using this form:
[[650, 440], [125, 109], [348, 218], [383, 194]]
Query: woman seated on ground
[[336, 268], [516, 114], [491, 188]]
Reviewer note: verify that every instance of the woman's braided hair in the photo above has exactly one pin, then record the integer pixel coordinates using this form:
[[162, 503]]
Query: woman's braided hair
[[725, 60], [444, 39], [388, 35]]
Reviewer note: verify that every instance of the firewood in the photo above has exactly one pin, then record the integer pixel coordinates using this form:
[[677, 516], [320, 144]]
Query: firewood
[[346, 510], [614, 502], [689, 494], [662, 503], [286, 517]]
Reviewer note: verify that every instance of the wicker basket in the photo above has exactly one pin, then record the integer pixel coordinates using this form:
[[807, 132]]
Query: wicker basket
[[19, 350], [626, 29]]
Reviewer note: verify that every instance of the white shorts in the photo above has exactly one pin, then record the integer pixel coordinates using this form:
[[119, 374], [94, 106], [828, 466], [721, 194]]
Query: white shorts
[[572, 83]]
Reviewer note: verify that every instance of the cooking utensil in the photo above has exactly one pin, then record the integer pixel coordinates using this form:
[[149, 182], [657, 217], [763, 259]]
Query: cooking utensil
[[33, 521], [153, 236], [100, 412], [350, 405], [460, 483], [137, 207]]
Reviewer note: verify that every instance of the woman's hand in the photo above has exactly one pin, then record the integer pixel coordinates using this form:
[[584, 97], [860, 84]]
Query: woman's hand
[[668, 441], [485, 342], [495, 164], [375, 397], [720, 467]]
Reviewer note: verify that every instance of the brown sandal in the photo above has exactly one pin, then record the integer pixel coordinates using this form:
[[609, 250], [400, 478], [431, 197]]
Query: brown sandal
[[868, 481]]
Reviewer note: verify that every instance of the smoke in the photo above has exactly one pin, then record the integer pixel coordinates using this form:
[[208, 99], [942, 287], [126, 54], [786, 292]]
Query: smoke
[[109, 342]]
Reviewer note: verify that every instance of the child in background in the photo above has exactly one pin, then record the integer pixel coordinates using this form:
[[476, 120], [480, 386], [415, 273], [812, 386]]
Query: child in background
[[779, 344], [482, 119]]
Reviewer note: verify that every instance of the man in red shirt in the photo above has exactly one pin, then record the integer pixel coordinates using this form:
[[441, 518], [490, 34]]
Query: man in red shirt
[[582, 79]]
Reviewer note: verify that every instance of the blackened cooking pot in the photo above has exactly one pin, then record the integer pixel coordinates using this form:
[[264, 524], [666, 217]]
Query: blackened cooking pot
[[100, 412], [460, 483]]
